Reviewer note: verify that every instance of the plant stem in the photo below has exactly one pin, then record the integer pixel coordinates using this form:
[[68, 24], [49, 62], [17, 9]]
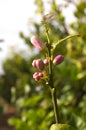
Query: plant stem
[[65, 39], [54, 100], [47, 34], [52, 88]]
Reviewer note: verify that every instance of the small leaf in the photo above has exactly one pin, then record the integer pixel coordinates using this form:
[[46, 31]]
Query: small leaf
[[61, 127]]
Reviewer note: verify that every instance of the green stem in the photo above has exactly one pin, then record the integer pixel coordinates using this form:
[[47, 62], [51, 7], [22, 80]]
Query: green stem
[[65, 39], [55, 105], [52, 88], [50, 69], [47, 34]]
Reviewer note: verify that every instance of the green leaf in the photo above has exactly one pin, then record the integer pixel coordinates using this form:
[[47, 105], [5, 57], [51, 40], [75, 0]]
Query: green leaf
[[32, 101], [61, 127]]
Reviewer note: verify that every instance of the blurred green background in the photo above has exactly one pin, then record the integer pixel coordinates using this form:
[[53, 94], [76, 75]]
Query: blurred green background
[[31, 100]]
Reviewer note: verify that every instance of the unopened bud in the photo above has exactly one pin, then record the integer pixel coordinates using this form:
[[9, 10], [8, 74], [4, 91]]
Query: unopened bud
[[45, 61], [34, 63], [35, 41], [40, 74], [58, 59], [37, 75], [38, 64]]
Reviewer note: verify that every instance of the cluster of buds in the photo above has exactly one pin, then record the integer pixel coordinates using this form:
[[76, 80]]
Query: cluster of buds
[[39, 63], [37, 75]]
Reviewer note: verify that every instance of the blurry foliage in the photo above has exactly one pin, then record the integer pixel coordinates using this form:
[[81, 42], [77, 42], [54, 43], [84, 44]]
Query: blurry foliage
[[33, 100]]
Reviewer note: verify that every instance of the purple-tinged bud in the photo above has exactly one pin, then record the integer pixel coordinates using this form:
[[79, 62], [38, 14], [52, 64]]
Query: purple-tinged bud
[[40, 74], [58, 59], [37, 75], [45, 62], [34, 63], [35, 41], [39, 64]]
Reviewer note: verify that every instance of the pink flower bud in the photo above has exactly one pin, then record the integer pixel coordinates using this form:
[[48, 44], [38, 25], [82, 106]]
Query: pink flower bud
[[58, 59], [38, 64], [35, 41], [45, 61], [34, 63], [40, 74], [37, 75]]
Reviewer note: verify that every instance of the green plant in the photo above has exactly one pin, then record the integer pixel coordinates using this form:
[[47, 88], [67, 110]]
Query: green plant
[[47, 75], [70, 76]]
